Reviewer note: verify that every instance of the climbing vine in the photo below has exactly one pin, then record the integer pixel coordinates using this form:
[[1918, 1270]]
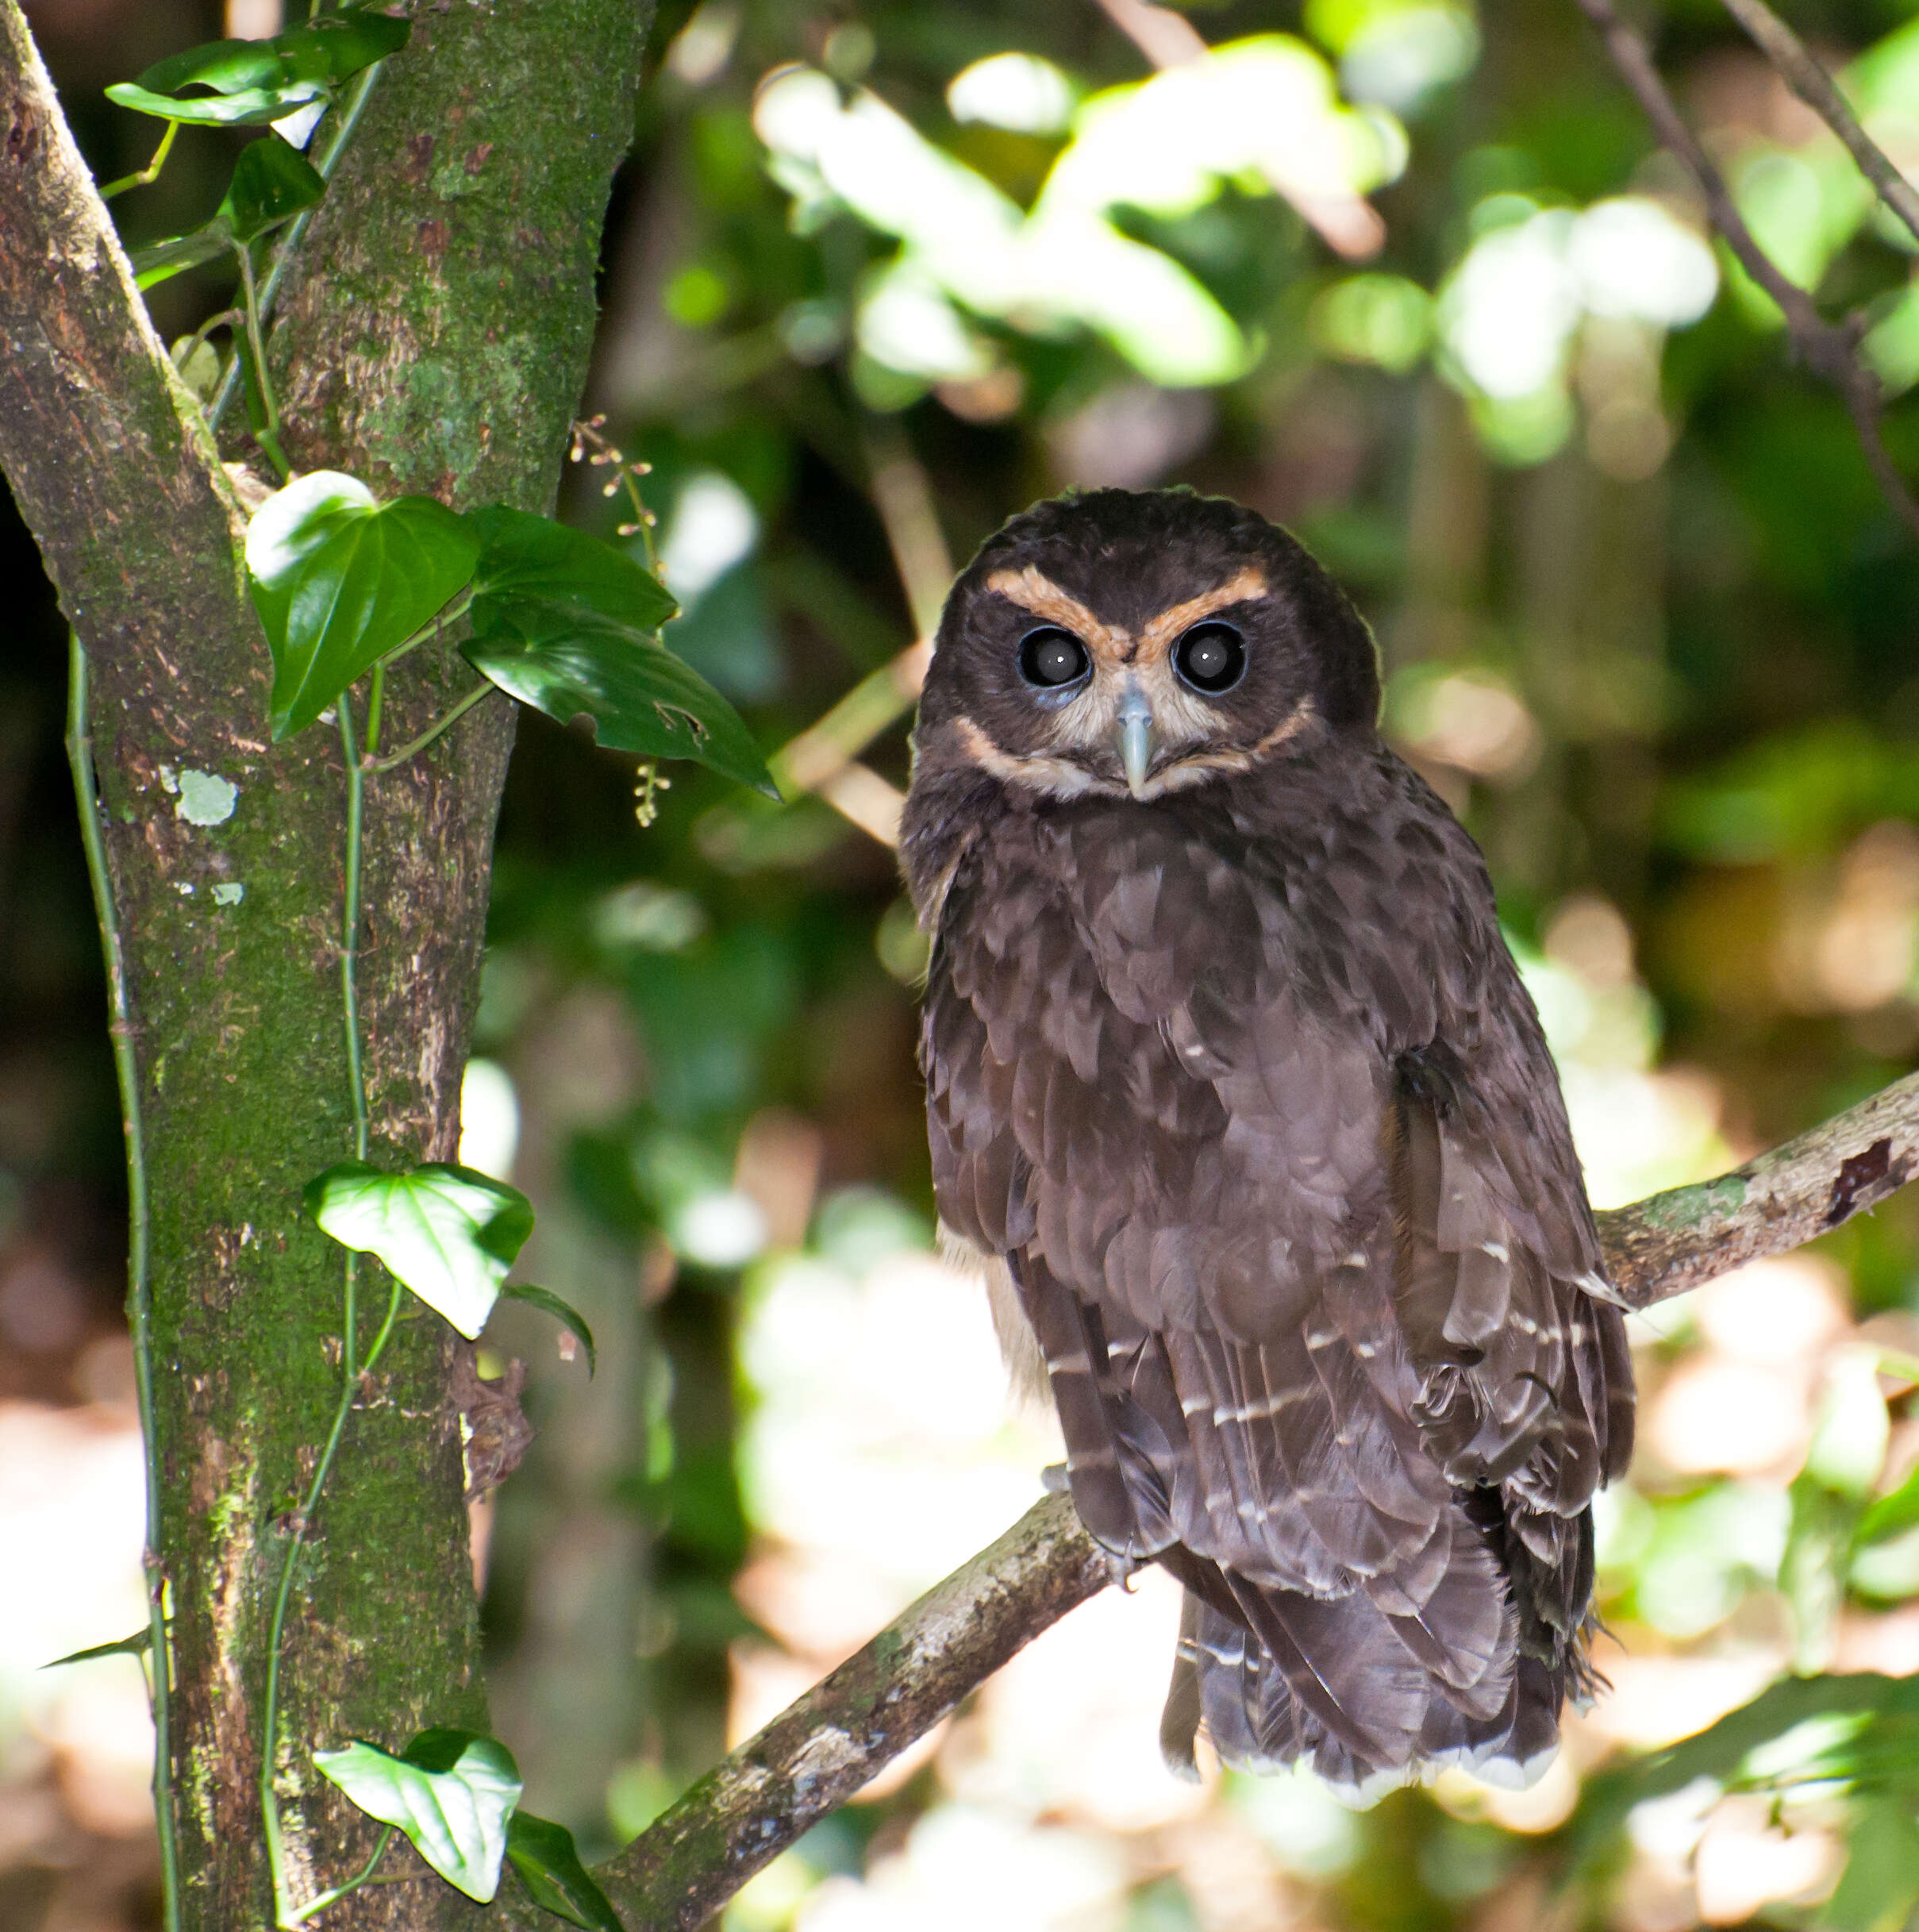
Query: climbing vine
[[345, 587]]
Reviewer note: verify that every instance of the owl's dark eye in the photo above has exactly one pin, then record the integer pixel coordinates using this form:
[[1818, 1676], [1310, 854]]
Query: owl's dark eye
[[1050, 657], [1210, 657]]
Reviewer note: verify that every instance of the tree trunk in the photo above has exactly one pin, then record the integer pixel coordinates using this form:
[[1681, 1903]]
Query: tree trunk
[[434, 337]]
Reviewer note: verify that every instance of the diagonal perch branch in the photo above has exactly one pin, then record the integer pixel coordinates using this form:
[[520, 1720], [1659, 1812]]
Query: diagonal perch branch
[[822, 1748], [820, 1751], [1673, 1242]]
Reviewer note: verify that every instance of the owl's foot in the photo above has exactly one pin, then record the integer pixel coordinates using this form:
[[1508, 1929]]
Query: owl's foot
[[1052, 1479]]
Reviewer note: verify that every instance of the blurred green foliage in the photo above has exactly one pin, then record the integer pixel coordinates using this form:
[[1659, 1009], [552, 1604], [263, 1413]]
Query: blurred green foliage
[[1411, 279]]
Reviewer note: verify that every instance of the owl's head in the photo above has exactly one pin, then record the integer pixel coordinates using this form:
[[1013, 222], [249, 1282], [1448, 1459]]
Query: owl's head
[[1143, 642]]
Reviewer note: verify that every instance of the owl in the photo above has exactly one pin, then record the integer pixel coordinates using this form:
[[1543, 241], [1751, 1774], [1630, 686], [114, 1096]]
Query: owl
[[1235, 1096]]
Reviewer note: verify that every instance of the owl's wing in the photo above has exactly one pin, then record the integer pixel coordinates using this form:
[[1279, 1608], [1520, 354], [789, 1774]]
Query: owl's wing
[[1236, 1216]]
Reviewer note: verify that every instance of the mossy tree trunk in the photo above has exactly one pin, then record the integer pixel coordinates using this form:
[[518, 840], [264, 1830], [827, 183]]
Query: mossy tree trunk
[[434, 337]]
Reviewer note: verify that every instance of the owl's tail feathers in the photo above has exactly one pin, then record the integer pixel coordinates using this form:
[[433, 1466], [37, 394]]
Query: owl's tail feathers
[[1278, 1678]]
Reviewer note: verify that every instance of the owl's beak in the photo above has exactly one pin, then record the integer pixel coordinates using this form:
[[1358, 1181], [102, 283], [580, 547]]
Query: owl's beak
[[1136, 738]]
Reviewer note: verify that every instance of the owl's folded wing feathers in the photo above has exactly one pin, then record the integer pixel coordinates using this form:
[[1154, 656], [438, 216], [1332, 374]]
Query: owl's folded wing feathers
[[1306, 1272]]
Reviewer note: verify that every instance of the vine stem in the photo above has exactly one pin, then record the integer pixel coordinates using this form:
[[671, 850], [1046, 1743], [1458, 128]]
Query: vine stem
[[352, 1369], [324, 164], [349, 916], [427, 736], [149, 173], [315, 1906], [267, 437], [140, 1277]]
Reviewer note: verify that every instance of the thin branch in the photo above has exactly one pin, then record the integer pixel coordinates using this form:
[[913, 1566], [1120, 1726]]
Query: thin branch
[[1816, 87], [824, 1747], [902, 494], [874, 804], [820, 759], [140, 1266], [326, 160], [1828, 350]]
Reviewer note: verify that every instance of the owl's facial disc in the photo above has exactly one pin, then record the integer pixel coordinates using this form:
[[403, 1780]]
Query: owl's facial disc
[[1115, 705]]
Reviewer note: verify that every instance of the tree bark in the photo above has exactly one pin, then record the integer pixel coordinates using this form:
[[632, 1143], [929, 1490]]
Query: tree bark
[[434, 337]]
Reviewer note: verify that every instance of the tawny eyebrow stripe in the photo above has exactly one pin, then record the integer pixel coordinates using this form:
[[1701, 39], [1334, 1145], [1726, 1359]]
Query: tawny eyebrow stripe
[[1032, 589], [1241, 588]]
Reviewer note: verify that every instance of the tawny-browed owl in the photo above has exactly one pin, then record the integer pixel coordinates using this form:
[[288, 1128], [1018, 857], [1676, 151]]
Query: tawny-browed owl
[[1234, 1093]]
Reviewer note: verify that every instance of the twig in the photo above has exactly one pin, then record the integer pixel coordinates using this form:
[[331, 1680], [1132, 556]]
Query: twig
[[874, 804], [903, 496], [1828, 350], [877, 700], [284, 250], [148, 173], [1816, 87], [824, 1747]]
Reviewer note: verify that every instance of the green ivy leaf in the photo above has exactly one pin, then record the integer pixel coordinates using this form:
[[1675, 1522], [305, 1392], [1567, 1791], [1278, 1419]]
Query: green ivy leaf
[[562, 1312], [244, 107], [569, 624], [339, 580], [160, 261], [272, 181], [138, 1645], [449, 1232], [451, 1792], [249, 82], [548, 1861]]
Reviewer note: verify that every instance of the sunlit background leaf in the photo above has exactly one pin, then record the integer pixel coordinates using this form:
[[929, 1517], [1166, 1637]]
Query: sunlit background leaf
[[1407, 275]]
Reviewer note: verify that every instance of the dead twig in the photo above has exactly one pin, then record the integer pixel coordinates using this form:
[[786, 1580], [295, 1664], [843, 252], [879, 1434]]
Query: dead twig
[[1830, 350], [1816, 88]]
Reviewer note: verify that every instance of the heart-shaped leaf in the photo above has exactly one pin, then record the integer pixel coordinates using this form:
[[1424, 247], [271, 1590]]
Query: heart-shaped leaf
[[339, 580], [451, 1792], [160, 261], [342, 43], [528, 560], [569, 625], [449, 1232], [245, 107], [564, 1312], [272, 181], [252, 82], [548, 1860]]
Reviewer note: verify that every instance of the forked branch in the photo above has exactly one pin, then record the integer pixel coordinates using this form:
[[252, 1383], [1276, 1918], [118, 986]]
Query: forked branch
[[1829, 349], [1816, 88]]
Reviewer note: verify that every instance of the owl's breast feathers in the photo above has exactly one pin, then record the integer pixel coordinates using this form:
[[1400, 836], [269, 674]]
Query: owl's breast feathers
[[1244, 1087]]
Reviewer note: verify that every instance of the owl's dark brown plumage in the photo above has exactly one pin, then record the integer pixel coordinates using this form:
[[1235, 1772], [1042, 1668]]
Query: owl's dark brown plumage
[[1228, 1063]]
